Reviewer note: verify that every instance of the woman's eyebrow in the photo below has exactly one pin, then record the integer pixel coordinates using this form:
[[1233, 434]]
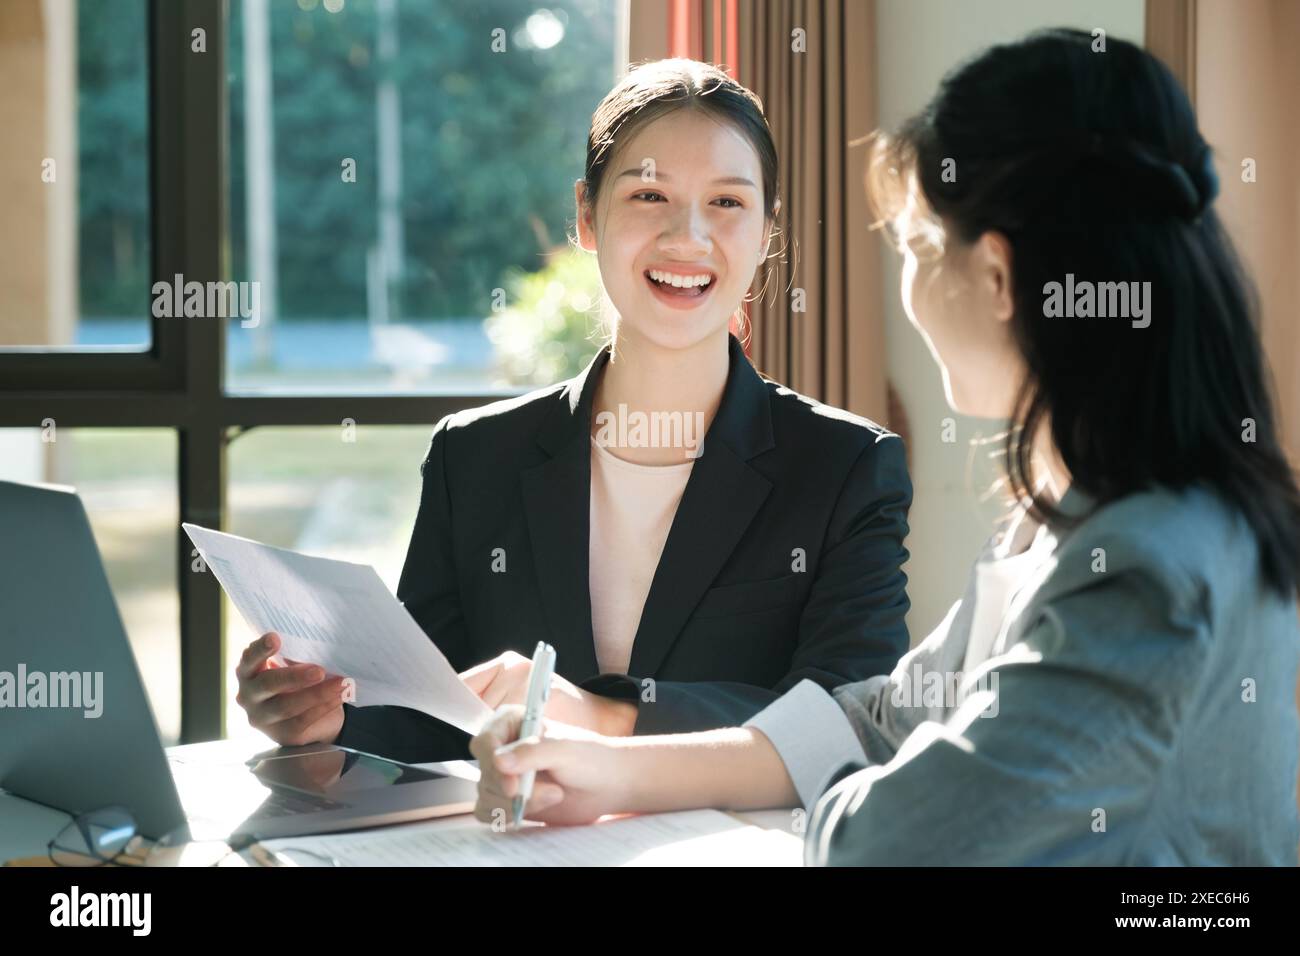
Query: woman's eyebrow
[[720, 181]]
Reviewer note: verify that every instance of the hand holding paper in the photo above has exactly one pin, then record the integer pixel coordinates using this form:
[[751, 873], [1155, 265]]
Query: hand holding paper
[[340, 616]]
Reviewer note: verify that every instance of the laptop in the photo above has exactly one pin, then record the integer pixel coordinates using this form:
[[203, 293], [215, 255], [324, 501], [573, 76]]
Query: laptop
[[79, 734]]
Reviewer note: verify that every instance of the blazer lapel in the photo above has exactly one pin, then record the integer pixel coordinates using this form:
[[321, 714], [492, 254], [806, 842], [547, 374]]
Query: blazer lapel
[[721, 498], [557, 500]]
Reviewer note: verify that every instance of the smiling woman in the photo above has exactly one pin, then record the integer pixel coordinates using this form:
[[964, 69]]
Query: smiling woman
[[683, 585], [691, 213]]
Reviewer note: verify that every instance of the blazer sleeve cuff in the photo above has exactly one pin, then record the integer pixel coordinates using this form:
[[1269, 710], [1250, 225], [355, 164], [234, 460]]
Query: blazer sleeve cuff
[[812, 736], [618, 686], [354, 737]]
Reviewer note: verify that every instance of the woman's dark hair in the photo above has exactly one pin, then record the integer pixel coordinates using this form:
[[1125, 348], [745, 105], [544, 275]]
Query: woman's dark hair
[[1086, 156], [663, 86]]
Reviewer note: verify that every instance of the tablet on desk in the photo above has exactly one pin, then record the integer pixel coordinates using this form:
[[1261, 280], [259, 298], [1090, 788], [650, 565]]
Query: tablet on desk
[[321, 788]]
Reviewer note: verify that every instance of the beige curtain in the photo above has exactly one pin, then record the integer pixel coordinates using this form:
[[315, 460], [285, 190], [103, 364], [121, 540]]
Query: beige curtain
[[819, 325]]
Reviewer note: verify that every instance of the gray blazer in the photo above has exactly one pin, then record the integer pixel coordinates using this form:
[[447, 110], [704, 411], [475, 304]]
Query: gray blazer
[[1146, 713]]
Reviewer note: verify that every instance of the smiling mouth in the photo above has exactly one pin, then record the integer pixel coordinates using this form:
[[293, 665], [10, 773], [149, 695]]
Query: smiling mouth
[[666, 287]]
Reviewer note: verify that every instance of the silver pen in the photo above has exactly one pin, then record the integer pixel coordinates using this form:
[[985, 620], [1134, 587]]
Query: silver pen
[[539, 691]]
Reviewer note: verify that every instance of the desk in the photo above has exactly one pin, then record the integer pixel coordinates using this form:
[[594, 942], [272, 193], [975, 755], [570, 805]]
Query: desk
[[26, 827]]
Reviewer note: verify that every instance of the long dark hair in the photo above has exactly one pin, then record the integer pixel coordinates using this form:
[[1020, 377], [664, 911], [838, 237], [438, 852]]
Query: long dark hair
[[1088, 159]]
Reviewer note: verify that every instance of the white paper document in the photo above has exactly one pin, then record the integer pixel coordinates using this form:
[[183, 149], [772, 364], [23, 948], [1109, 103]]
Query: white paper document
[[340, 616], [689, 838]]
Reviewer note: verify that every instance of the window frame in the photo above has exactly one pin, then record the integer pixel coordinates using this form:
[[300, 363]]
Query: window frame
[[179, 381]]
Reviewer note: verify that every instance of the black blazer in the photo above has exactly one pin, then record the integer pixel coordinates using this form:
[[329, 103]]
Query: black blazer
[[732, 619]]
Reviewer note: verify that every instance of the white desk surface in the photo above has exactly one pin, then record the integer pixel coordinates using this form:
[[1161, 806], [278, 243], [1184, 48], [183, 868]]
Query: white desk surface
[[26, 827]]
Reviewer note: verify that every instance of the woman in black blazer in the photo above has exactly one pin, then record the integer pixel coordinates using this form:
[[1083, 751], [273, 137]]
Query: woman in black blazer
[[782, 559]]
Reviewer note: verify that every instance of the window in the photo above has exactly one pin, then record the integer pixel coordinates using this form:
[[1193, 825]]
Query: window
[[127, 482], [426, 285], [74, 254], [393, 178], [343, 492]]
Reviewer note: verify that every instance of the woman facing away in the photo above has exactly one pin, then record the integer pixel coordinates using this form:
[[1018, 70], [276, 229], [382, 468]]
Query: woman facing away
[[1125, 652], [692, 539]]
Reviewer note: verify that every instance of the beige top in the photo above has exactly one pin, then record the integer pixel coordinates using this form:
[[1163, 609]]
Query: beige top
[[632, 508]]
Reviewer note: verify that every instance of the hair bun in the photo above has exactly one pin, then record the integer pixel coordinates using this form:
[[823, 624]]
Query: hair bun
[[1154, 181], [1189, 197], [1205, 178]]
